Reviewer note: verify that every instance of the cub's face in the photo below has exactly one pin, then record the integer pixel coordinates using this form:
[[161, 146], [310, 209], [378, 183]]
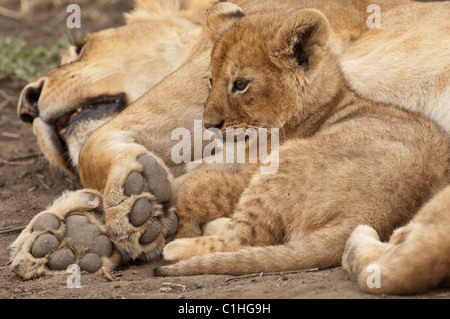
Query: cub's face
[[246, 84], [264, 68]]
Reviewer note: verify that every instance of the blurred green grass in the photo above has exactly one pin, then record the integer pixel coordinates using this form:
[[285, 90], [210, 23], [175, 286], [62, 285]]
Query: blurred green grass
[[28, 63], [26, 57]]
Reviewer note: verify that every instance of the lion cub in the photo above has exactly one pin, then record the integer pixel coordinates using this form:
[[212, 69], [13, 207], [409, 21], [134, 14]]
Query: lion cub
[[343, 160]]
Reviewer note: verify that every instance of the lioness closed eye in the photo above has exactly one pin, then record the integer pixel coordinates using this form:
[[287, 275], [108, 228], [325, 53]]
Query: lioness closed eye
[[343, 160]]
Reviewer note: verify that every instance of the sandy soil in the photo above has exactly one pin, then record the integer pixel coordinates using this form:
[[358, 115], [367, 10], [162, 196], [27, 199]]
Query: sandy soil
[[28, 185]]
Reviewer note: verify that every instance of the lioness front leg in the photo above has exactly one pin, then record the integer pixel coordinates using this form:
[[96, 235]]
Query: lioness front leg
[[139, 214]]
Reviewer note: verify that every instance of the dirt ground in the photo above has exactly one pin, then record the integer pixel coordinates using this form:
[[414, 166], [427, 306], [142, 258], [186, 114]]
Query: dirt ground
[[28, 185]]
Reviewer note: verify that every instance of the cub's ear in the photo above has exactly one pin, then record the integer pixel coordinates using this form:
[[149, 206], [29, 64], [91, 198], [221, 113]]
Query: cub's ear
[[220, 19], [304, 31]]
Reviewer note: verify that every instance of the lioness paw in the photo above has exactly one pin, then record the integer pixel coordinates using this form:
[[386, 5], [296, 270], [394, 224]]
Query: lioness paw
[[139, 214], [70, 232], [362, 248]]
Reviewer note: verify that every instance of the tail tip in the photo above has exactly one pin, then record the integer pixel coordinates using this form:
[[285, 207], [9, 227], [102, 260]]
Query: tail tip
[[159, 272]]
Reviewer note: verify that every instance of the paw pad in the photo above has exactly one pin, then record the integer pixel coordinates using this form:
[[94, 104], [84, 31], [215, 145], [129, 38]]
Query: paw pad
[[134, 184], [61, 259], [140, 212], [151, 233], [44, 245], [171, 222], [46, 221], [90, 263], [157, 181], [82, 235]]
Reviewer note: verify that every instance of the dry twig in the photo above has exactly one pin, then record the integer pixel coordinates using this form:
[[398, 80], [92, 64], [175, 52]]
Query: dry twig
[[24, 157], [107, 275], [271, 274], [10, 135], [2, 161], [42, 182], [5, 95], [4, 104], [172, 285], [9, 229]]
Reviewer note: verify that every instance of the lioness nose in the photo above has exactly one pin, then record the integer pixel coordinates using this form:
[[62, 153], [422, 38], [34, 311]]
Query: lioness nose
[[28, 102]]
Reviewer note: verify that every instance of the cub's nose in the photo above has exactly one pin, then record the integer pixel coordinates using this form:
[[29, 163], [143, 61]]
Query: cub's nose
[[28, 101], [214, 125]]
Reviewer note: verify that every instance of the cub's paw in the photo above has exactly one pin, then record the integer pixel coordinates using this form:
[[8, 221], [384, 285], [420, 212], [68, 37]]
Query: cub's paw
[[139, 213], [71, 231], [217, 227], [179, 249], [185, 248]]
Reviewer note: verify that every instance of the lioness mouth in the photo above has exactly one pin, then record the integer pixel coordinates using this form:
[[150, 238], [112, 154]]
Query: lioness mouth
[[92, 109]]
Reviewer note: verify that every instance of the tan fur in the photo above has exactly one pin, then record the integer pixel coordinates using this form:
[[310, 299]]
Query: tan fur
[[343, 161], [183, 93], [127, 60], [389, 73], [414, 260], [110, 154], [414, 49]]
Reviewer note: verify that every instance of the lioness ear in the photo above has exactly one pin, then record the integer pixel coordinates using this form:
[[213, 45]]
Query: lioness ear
[[304, 30], [220, 18]]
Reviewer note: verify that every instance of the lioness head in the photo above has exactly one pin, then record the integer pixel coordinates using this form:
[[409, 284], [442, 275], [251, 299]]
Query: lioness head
[[108, 71], [273, 71]]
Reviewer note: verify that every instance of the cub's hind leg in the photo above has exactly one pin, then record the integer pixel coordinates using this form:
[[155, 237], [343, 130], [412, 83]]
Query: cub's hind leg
[[362, 250], [234, 252]]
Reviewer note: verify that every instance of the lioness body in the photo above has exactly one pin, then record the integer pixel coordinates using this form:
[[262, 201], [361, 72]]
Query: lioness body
[[343, 161]]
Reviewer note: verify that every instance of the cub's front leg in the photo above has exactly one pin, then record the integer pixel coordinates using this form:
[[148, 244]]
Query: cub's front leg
[[205, 197]]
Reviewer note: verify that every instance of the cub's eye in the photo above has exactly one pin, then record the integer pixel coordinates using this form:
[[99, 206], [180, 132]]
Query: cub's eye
[[240, 85], [210, 83]]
